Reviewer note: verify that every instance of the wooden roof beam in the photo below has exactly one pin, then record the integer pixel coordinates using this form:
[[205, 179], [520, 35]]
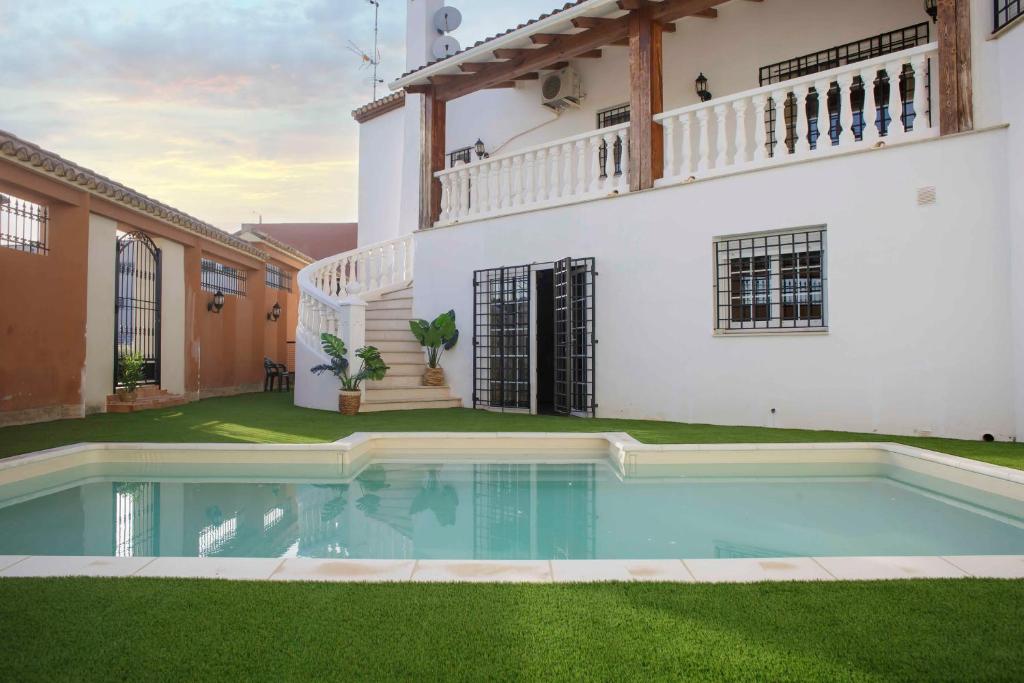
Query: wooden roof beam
[[474, 67], [568, 46], [591, 22], [674, 10]]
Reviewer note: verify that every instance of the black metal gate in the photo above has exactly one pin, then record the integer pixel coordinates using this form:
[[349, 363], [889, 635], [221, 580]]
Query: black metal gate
[[137, 304], [502, 369], [501, 338], [574, 337]]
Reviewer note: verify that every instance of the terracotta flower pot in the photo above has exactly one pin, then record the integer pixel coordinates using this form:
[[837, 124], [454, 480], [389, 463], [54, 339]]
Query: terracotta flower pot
[[348, 402], [126, 396], [433, 377]]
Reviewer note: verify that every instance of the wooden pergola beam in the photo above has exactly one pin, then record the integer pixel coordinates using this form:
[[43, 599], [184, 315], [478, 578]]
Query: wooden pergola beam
[[956, 90], [645, 99]]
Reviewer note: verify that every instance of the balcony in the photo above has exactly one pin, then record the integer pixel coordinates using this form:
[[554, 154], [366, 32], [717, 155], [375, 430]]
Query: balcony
[[843, 110]]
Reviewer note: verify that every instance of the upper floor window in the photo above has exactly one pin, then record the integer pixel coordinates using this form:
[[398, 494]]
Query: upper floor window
[[217, 277], [277, 278], [613, 116], [463, 154], [23, 225], [771, 281], [1007, 11]]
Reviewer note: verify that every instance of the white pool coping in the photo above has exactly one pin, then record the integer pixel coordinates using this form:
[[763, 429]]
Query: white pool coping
[[623, 452]]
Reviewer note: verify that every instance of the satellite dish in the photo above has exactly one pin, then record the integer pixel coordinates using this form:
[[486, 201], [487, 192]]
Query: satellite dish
[[447, 19], [445, 46]]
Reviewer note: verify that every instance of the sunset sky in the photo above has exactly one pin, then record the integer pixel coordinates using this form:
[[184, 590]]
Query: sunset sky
[[225, 109]]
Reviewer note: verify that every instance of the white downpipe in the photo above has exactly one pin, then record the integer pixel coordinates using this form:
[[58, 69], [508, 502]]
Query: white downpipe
[[333, 294]]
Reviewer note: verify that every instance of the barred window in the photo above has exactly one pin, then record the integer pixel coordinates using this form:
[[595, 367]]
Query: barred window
[[23, 225], [277, 278], [463, 154], [771, 281], [1007, 11], [217, 277]]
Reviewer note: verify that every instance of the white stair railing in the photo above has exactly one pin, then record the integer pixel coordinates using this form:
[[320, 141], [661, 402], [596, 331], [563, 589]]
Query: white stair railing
[[791, 121], [332, 298], [588, 165]]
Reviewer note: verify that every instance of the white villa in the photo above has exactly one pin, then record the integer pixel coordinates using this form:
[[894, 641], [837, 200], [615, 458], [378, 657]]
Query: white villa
[[785, 213]]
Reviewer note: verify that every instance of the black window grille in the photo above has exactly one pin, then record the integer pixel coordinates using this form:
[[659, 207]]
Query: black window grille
[[217, 277], [850, 53], [23, 225], [606, 118], [771, 281], [574, 281], [1007, 11], [465, 155], [501, 338], [277, 278]]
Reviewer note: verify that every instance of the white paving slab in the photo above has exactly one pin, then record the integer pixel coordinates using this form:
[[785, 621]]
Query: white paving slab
[[864, 568], [62, 565], [564, 571], [244, 568], [990, 566], [310, 569], [757, 569], [7, 560], [518, 571]]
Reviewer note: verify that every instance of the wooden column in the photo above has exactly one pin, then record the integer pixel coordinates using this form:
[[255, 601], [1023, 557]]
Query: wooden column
[[646, 147], [431, 157], [956, 98]]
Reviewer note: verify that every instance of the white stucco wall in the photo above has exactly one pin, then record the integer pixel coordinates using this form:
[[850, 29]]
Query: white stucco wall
[[729, 50], [919, 298], [172, 316], [381, 141], [99, 318]]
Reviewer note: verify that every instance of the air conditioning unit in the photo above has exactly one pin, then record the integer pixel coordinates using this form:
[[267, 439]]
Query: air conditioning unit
[[561, 89]]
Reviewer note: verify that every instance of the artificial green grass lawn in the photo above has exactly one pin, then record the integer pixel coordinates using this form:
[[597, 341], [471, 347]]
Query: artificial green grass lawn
[[271, 418], [142, 629]]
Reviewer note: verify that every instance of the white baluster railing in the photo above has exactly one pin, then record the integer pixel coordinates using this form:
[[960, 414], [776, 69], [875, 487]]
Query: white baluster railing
[[804, 117], [592, 164], [332, 298]]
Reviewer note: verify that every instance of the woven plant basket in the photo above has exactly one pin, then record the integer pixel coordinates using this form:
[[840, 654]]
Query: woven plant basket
[[433, 377], [348, 402]]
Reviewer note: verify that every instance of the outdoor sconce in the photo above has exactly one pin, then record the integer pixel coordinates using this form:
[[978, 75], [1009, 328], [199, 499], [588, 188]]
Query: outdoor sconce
[[932, 8], [702, 87], [217, 303], [275, 313], [481, 153]]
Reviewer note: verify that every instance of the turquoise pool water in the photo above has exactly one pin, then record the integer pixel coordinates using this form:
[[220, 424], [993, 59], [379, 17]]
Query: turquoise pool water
[[458, 510]]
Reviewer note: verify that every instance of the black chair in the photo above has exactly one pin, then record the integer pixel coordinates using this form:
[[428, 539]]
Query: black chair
[[276, 371]]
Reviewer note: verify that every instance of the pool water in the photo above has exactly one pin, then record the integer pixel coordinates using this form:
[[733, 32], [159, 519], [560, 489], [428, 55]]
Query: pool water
[[464, 510]]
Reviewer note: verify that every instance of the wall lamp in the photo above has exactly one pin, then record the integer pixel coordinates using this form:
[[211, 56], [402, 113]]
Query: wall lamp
[[932, 8], [701, 86], [481, 152], [275, 313], [217, 303]]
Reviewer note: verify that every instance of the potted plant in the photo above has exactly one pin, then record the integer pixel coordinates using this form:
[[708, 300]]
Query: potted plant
[[130, 366], [372, 367], [437, 337]]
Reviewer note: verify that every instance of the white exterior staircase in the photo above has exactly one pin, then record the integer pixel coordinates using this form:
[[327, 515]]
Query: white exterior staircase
[[365, 297]]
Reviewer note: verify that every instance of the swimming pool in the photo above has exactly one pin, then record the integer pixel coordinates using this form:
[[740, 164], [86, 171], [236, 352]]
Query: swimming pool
[[458, 498]]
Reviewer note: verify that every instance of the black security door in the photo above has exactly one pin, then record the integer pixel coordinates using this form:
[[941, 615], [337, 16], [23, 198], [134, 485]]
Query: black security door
[[137, 304], [574, 336]]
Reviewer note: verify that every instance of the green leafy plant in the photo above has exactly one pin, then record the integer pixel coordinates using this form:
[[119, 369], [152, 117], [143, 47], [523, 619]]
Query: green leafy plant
[[437, 336], [372, 366], [130, 370]]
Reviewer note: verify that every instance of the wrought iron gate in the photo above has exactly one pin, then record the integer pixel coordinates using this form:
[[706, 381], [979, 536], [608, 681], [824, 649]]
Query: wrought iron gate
[[574, 337], [501, 338], [137, 304]]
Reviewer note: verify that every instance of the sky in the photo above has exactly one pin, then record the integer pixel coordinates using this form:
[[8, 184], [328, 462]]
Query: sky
[[226, 109]]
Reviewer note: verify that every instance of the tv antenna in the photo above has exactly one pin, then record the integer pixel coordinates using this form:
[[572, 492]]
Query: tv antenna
[[371, 60]]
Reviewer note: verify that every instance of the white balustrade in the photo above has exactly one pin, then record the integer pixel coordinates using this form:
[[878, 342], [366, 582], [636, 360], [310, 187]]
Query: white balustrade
[[789, 121], [593, 164]]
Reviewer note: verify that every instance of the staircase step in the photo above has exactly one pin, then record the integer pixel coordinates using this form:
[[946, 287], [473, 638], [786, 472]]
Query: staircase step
[[383, 304], [397, 395], [387, 325], [406, 370], [403, 357], [397, 381], [379, 406], [152, 401], [398, 295], [404, 314], [375, 336], [385, 345]]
